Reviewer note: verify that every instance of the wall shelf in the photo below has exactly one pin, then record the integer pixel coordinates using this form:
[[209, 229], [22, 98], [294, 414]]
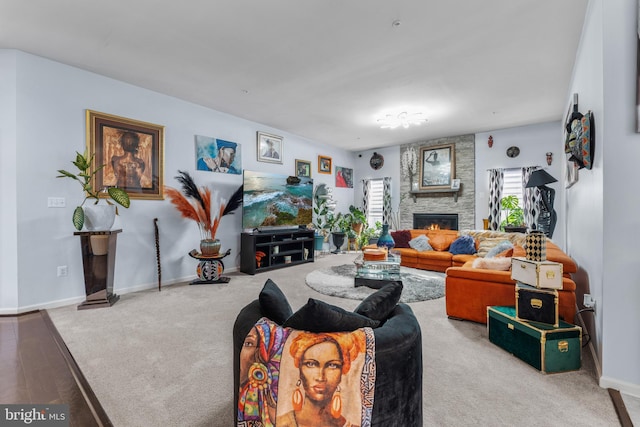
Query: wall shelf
[[416, 193]]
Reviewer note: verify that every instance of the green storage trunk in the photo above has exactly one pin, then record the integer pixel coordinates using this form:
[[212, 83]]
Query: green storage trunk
[[543, 346]]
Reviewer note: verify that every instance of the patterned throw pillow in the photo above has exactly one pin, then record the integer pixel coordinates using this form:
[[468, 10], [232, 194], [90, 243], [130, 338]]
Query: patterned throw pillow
[[499, 248], [420, 243], [463, 245], [487, 244]]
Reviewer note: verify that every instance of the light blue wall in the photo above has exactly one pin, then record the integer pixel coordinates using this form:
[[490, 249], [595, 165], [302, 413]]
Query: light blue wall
[[42, 126], [603, 208]]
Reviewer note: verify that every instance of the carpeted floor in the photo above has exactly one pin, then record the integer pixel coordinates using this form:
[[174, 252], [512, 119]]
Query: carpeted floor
[[165, 359], [418, 285]]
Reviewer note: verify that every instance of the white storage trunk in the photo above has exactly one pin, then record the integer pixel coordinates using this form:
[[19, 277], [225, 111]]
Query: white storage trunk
[[541, 274]]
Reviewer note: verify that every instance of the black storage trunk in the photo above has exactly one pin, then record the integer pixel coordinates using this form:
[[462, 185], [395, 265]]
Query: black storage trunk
[[538, 305]]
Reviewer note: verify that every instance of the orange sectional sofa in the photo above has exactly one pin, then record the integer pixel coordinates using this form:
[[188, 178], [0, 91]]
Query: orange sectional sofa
[[468, 290]]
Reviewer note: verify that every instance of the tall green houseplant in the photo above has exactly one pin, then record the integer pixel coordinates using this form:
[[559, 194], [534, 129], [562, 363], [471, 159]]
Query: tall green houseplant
[[85, 177]]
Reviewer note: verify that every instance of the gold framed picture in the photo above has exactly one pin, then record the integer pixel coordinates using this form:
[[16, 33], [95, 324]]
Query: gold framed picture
[[130, 152], [324, 164]]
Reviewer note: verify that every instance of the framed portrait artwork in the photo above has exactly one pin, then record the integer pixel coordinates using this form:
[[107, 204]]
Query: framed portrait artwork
[[437, 167], [217, 155], [269, 148], [344, 177], [303, 168], [131, 151], [324, 164]]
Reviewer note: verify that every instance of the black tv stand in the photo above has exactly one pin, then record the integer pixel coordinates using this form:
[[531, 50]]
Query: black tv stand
[[281, 248]]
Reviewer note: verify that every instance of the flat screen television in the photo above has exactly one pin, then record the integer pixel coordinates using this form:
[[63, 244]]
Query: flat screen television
[[273, 200]]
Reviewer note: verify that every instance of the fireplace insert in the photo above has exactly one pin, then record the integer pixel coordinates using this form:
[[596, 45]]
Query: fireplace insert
[[435, 221]]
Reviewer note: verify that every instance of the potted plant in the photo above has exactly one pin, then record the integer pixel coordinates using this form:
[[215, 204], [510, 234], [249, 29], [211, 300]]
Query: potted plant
[[358, 219], [94, 217], [322, 210], [514, 218]]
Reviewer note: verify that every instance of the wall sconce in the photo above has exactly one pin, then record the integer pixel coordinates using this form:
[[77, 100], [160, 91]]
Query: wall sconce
[[490, 142], [549, 158]]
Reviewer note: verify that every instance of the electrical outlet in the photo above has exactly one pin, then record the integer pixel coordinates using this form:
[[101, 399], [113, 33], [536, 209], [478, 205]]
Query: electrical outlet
[[56, 202], [589, 302], [62, 271]]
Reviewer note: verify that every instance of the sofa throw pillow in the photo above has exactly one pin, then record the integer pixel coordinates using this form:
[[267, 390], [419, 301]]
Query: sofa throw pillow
[[502, 264], [273, 303], [505, 254], [401, 238], [381, 303], [463, 245], [420, 243], [500, 247], [440, 242], [318, 316], [487, 244]]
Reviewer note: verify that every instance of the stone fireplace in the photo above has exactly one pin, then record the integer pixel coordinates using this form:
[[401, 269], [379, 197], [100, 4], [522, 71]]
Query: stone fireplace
[[435, 221]]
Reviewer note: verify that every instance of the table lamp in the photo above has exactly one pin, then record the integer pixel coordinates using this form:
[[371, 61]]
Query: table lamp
[[547, 217]]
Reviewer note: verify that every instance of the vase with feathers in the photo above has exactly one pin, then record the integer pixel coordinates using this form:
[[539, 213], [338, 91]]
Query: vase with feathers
[[204, 207]]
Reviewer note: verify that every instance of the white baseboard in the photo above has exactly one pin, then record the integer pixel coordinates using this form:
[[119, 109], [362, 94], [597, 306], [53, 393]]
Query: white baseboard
[[77, 300], [621, 386]]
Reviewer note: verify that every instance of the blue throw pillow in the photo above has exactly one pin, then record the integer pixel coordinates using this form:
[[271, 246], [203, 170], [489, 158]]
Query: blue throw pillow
[[500, 247], [463, 245]]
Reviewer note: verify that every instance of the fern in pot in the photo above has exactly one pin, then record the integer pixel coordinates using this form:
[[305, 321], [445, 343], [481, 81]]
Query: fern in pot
[[94, 216]]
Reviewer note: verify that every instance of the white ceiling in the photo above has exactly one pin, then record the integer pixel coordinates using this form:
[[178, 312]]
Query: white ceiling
[[324, 69]]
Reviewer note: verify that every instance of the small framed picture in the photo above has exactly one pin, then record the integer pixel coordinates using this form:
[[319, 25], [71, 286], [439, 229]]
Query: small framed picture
[[324, 164], [303, 168], [269, 148], [344, 177], [455, 184]]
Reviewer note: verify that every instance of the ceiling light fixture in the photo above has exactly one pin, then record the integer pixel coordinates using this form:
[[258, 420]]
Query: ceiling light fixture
[[403, 119]]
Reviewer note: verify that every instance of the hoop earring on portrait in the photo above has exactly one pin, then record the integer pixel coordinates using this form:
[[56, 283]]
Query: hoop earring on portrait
[[336, 404], [297, 398]]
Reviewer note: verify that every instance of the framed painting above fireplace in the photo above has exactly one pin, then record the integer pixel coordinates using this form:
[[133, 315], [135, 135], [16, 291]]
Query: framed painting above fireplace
[[437, 167]]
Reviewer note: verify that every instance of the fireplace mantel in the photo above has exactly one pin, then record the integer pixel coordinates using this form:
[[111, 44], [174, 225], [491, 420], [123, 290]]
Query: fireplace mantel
[[417, 193]]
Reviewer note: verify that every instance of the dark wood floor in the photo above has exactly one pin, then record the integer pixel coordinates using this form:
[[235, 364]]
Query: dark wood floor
[[37, 368]]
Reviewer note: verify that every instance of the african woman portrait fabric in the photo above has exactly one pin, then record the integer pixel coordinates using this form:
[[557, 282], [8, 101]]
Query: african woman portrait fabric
[[291, 378], [327, 379]]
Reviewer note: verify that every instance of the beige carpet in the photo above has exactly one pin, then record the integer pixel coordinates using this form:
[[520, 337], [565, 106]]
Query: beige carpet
[[165, 359]]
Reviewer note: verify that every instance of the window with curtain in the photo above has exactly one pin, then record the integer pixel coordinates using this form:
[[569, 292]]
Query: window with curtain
[[512, 186], [375, 201], [511, 182]]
